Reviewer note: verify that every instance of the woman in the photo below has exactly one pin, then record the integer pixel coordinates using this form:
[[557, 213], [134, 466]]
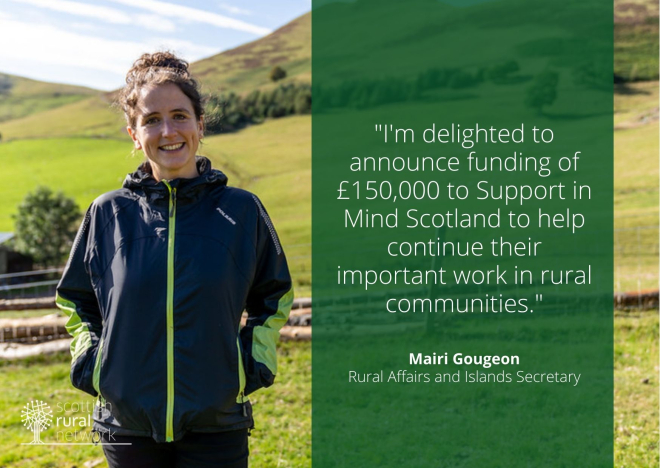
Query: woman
[[156, 283]]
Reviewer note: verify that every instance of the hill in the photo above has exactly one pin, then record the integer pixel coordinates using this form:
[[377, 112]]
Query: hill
[[246, 67], [240, 70], [20, 96], [636, 40], [91, 117]]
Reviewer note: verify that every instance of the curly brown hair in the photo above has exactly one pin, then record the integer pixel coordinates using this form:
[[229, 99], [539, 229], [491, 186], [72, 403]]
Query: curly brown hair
[[155, 69]]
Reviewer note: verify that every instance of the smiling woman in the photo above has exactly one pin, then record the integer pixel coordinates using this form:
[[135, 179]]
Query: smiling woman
[[164, 112], [167, 130], [157, 280]]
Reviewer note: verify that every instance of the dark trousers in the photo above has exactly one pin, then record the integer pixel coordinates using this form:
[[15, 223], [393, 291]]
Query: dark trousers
[[198, 450]]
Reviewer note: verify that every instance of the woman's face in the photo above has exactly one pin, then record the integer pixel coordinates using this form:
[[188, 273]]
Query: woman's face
[[167, 131]]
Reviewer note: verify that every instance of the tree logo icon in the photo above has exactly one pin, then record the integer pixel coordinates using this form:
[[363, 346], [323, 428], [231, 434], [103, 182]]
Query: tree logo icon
[[37, 416]]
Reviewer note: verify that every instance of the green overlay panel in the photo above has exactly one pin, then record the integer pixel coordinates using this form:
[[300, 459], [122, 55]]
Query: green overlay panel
[[462, 233]]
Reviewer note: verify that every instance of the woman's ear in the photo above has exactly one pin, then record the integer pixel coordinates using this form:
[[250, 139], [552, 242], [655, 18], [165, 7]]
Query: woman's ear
[[200, 127], [133, 136]]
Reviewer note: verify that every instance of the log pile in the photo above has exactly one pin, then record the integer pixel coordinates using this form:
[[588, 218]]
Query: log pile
[[643, 300], [28, 303], [33, 329], [21, 351], [23, 337]]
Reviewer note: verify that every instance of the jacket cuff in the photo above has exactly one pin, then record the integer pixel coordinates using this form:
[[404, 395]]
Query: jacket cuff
[[257, 375]]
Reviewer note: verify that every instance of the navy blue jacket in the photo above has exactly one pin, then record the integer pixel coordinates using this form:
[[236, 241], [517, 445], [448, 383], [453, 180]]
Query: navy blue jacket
[[157, 280]]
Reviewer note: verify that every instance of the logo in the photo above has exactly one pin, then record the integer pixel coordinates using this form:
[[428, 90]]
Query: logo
[[36, 416], [72, 423], [227, 217]]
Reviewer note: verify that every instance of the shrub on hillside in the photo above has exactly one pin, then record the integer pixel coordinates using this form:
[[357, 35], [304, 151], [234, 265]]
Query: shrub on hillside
[[277, 73]]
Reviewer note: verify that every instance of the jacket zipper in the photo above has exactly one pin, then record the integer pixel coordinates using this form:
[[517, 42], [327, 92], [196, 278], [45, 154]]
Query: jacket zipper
[[169, 425]]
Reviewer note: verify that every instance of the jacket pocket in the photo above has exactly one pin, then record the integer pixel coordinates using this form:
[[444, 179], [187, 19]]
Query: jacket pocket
[[82, 371], [257, 374]]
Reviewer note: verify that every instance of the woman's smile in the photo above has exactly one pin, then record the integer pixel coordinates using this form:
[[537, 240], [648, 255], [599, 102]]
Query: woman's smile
[[172, 147]]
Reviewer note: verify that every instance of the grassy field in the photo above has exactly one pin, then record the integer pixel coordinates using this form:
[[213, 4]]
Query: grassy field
[[282, 435], [636, 186], [81, 168], [271, 160], [636, 390], [283, 413]]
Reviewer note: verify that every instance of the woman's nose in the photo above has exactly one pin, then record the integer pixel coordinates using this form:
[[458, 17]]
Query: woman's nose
[[168, 128]]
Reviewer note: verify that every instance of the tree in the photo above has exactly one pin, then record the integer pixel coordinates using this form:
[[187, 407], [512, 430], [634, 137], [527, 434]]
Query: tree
[[46, 226], [277, 73], [543, 91]]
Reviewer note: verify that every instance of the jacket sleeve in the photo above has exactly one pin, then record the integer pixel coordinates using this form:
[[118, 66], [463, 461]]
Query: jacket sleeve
[[76, 298], [268, 305]]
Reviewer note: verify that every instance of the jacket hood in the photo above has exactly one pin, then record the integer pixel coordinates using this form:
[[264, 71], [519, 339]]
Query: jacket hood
[[143, 177]]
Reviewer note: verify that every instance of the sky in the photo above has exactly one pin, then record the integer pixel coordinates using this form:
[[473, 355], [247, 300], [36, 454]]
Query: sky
[[94, 42]]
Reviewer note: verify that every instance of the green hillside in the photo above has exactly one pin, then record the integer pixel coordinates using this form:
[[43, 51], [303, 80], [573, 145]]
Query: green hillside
[[91, 117], [636, 40], [246, 68], [241, 70], [21, 96]]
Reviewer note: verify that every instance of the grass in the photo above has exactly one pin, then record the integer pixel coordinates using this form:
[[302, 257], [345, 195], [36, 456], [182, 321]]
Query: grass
[[636, 39], [636, 188], [21, 96], [636, 51], [16, 107], [90, 117], [81, 168], [282, 436], [283, 413], [636, 389]]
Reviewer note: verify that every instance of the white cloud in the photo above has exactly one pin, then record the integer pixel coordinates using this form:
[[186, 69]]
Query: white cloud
[[234, 10], [52, 46], [109, 15], [194, 14], [48, 46], [105, 14], [84, 26], [189, 50], [155, 23]]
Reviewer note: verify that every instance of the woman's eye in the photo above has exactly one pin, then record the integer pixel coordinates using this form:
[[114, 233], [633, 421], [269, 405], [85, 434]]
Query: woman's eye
[[180, 117], [151, 121]]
